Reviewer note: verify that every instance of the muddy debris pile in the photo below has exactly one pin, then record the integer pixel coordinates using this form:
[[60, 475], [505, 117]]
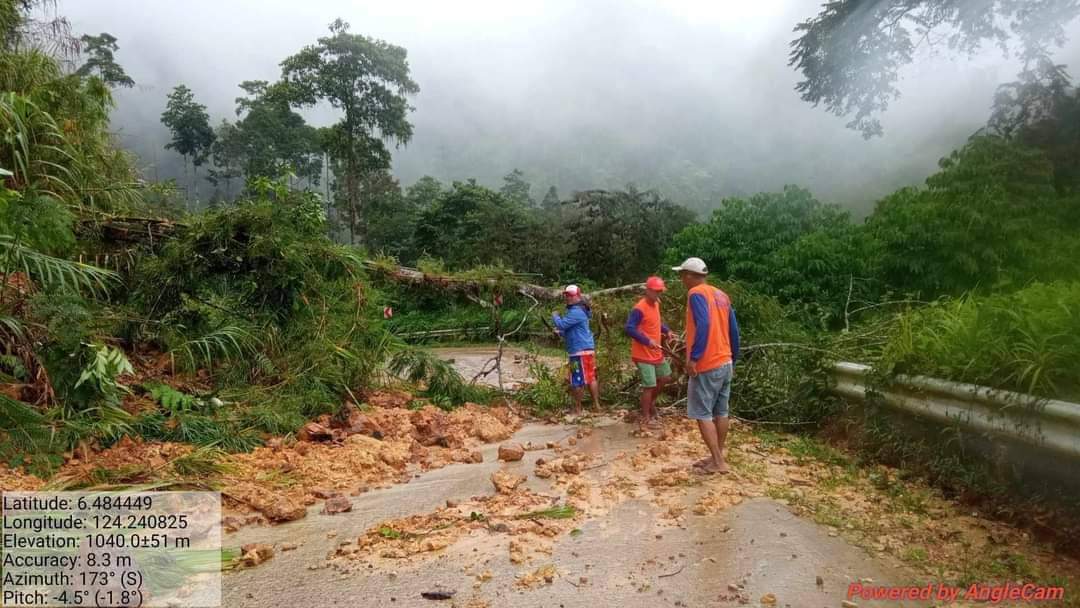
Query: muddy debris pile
[[513, 512], [129, 460], [356, 450], [14, 480]]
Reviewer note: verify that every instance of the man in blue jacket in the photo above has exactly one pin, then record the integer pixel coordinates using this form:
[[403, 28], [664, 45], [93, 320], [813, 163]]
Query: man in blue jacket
[[580, 346]]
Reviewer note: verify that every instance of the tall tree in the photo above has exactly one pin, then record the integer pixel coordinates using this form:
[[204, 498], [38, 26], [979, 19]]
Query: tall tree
[[275, 140], [227, 153], [1042, 110], [850, 54], [192, 136], [551, 199], [628, 229], [101, 60], [516, 188], [367, 79]]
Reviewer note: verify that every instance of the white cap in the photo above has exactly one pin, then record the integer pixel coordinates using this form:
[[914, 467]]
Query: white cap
[[572, 290], [694, 265]]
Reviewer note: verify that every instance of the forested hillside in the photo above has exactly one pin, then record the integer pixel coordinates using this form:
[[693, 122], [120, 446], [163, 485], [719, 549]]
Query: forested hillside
[[288, 278]]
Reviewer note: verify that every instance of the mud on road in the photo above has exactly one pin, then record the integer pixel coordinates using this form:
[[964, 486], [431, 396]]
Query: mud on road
[[598, 516]]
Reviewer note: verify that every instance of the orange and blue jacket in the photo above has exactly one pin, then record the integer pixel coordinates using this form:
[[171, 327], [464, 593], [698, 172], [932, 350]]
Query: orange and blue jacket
[[644, 325], [712, 332]]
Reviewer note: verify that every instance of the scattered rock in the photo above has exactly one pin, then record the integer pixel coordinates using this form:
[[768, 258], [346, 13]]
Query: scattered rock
[[288, 547], [517, 552], [323, 493], [820, 581], [255, 554], [506, 482], [451, 503], [231, 523], [768, 599], [438, 594], [571, 466], [313, 431], [551, 445], [476, 457], [282, 509], [659, 450], [572, 441], [511, 452], [337, 504]]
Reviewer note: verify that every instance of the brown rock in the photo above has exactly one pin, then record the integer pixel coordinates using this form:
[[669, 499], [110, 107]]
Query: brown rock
[[360, 424], [231, 523], [274, 443], [282, 509], [288, 547], [490, 429], [551, 445], [571, 466], [476, 457], [323, 493], [506, 482], [511, 452], [451, 503], [337, 504], [313, 431], [301, 448], [255, 554], [572, 441], [517, 552], [659, 450]]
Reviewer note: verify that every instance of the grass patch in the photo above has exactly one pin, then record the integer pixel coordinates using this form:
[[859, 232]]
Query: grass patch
[[559, 512]]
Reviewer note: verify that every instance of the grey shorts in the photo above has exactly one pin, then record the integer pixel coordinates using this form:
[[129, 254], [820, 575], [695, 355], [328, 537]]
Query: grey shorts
[[708, 393]]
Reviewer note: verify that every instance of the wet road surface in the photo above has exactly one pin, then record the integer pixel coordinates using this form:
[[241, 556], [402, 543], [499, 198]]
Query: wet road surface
[[623, 558]]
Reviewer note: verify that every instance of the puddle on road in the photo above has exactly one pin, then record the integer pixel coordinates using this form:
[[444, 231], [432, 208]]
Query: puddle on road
[[472, 361]]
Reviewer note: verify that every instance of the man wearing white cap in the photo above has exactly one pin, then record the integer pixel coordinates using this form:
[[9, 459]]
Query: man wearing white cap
[[580, 346], [712, 346]]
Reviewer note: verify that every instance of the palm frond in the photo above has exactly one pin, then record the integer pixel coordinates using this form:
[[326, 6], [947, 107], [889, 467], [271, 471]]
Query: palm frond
[[53, 271], [226, 342]]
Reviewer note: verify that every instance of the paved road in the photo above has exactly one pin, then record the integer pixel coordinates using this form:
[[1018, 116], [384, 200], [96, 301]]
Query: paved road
[[625, 557]]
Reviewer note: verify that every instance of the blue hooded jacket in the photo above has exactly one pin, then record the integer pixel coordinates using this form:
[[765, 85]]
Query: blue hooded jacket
[[574, 328]]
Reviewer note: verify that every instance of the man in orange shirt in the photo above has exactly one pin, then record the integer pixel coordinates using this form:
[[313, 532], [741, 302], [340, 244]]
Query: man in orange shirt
[[646, 329], [712, 346]]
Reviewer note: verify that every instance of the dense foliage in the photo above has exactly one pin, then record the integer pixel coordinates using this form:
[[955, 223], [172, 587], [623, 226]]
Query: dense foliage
[[1026, 341]]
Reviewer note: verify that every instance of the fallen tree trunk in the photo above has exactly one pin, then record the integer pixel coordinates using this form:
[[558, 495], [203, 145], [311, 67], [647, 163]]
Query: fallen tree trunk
[[147, 231], [150, 231], [539, 292]]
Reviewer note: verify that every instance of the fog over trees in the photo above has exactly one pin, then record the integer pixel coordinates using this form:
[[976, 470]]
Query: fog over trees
[[697, 102]]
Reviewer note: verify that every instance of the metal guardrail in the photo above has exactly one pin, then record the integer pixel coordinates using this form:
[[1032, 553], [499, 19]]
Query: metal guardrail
[[1044, 423]]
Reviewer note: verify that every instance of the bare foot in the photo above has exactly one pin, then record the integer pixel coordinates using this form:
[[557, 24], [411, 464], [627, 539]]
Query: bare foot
[[704, 462], [723, 469]]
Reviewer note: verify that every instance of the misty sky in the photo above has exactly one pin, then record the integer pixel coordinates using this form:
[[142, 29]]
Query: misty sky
[[692, 98]]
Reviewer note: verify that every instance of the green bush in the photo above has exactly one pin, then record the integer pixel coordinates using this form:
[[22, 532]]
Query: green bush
[[786, 244]]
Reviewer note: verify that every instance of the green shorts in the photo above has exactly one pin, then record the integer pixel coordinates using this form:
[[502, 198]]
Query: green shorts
[[651, 371]]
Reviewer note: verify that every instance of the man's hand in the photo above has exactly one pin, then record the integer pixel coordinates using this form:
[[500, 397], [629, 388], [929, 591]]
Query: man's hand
[[691, 368], [653, 343]]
